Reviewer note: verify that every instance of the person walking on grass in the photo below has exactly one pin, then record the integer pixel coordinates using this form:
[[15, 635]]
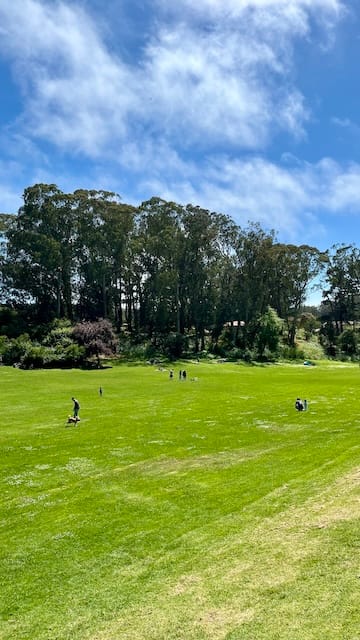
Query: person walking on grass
[[76, 407]]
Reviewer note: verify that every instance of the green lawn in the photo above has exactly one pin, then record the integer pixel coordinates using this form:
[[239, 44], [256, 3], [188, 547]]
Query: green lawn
[[180, 510]]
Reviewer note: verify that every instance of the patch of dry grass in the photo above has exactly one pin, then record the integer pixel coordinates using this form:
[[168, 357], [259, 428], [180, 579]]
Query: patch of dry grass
[[228, 592]]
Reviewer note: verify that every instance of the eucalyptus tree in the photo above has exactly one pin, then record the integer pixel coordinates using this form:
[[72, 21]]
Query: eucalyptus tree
[[39, 257], [120, 250], [104, 228], [159, 257], [6, 221], [342, 281], [224, 276], [293, 268], [204, 235], [91, 253], [253, 266]]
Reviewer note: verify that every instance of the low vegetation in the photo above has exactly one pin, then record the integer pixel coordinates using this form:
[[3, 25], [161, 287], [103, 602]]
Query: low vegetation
[[197, 509]]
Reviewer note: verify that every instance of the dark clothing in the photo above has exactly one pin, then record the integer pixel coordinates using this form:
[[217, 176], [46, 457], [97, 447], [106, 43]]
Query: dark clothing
[[76, 407]]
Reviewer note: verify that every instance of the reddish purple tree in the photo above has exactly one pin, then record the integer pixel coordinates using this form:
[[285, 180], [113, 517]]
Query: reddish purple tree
[[97, 337]]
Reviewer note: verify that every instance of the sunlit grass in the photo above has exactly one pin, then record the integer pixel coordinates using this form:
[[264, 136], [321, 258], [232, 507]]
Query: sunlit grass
[[197, 509]]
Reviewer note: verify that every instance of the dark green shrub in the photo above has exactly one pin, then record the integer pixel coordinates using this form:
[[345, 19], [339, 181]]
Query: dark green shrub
[[15, 350], [292, 353], [348, 342], [174, 345]]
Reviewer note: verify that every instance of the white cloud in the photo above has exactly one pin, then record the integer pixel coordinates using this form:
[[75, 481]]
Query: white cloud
[[290, 198], [76, 94], [343, 193], [215, 78], [223, 82]]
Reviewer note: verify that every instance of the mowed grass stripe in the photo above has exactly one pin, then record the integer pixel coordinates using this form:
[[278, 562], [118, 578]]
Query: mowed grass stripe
[[128, 525]]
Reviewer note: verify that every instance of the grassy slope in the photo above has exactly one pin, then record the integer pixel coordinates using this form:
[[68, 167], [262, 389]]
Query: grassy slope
[[180, 510]]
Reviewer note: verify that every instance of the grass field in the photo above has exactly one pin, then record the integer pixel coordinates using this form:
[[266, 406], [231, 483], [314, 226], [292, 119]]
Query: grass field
[[181, 510]]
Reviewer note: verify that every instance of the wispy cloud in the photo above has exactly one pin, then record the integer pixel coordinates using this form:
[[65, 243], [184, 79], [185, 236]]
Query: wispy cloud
[[191, 117], [288, 197], [73, 89], [223, 82]]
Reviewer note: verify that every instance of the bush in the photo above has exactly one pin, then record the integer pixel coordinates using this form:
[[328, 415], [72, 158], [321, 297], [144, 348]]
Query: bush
[[292, 353], [36, 356], [59, 335], [348, 342], [174, 345], [15, 350], [11, 323], [248, 355], [98, 338]]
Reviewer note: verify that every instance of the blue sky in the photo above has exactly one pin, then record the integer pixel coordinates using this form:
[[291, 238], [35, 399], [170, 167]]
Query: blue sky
[[245, 107]]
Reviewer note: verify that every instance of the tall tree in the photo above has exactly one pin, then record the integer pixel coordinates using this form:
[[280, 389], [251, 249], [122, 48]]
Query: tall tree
[[342, 280], [292, 269], [159, 238], [252, 293], [104, 226], [201, 255], [38, 261]]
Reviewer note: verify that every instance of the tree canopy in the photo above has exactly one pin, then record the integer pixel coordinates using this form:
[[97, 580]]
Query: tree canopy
[[163, 269]]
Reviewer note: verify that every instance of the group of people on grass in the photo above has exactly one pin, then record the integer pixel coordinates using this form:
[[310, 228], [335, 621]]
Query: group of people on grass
[[182, 374]]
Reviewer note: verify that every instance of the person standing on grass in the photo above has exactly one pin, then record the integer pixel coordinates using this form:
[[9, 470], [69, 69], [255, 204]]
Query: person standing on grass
[[100, 391], [76, 407]]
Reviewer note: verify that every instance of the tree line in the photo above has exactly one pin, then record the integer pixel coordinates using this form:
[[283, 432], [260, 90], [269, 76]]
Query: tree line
[[163, 271]]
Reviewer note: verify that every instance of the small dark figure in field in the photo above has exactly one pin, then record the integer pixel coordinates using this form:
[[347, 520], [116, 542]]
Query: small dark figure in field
[[180, 374], [72, 420], [305, 404], [171, 373], [76, 407], [299, 406], [100, 391], [184, 375]]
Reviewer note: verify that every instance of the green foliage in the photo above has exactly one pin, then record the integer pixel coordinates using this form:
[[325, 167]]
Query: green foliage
[[174, 345], [225, 342], [348, 342], [309, 323], [11, 322], [159, 269], [311, 349], [268, 334], [328, 338], [15, 350], [292, 353], [60, 335], [54, 352]]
